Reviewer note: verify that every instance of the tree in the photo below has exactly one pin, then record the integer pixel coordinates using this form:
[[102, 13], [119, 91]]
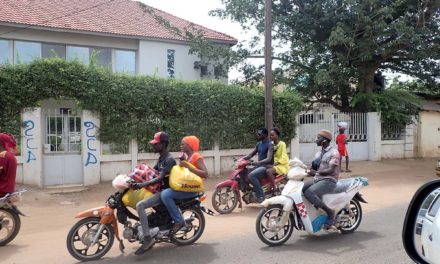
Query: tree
[[331, 50]]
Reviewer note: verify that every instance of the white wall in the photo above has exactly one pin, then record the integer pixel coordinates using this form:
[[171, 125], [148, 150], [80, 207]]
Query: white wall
[[393, 149], [153, 60], [69, 38], [429, 134]]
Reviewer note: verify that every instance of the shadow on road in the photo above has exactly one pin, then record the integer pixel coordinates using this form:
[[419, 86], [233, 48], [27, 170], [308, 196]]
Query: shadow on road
[[331, 244], [10, 250], [197, 253]]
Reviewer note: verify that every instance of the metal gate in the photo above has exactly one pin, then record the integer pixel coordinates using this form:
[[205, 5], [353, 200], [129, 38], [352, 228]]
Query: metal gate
[[312, 121], [62, 147]]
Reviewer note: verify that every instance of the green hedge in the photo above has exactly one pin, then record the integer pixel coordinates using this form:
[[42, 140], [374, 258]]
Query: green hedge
[[137, 106]]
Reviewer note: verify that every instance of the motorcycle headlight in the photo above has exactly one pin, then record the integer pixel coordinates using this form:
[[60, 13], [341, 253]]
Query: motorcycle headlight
[[111, 202]]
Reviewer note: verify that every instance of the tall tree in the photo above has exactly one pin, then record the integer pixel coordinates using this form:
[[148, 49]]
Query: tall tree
[[332, 50]]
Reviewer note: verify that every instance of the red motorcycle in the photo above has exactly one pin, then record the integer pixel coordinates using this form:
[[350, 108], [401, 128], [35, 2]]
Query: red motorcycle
[[227, 193]]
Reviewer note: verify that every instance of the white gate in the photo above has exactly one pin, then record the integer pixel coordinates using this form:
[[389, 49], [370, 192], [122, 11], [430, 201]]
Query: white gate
[[311, 122], [62, 147]]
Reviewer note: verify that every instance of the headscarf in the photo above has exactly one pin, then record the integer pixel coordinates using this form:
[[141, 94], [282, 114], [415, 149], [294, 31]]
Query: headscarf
[[8, 141], [193, 142]]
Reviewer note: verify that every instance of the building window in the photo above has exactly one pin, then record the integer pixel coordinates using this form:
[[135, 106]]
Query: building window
[[53, 50], [4, 51], [170, 60], [25, 52], [82, 54], [125, 61], [102, 57]]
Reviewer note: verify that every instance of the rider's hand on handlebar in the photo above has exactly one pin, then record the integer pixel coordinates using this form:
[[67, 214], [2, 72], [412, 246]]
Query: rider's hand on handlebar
[[136, 186]]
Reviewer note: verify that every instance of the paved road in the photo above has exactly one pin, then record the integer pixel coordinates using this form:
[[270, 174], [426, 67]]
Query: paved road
[[378, 240], [232, 238]]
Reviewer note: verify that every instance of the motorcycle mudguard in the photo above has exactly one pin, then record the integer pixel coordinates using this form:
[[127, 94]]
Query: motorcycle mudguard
[[359, 197], [17, 211], [228, 183], [105, 213], [91, 212]]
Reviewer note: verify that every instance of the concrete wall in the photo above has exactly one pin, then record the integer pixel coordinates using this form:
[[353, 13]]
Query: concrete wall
[[153, 60], [69, 38], [151, 54], [393, 149], [428, 135]]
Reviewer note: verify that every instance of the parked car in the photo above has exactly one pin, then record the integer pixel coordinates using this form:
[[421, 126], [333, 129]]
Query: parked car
[[421, 229], [419, 222]]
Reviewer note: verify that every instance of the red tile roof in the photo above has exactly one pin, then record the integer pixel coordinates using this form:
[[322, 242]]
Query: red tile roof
[[118, 17]]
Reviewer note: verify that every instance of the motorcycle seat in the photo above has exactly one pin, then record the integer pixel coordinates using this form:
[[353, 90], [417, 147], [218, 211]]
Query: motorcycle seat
[[180, 201], [343, 185]]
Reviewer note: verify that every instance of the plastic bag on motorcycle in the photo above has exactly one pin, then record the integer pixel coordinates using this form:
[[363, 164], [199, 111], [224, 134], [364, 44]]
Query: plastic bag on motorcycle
[[141, 173]]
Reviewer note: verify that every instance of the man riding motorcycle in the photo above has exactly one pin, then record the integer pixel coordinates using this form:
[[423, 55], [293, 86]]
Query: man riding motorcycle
[[8, 164], [264, 148], [164, 165], [325, 169]]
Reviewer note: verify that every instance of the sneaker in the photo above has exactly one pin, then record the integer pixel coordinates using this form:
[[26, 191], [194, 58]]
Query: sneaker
[[177, 227], [147, 244]]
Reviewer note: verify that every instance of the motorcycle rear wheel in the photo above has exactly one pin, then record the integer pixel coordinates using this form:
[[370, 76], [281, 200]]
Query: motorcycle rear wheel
[[10, 230], [224, 200], [354, 221], [266, 220], [195, 225], [81, 234]]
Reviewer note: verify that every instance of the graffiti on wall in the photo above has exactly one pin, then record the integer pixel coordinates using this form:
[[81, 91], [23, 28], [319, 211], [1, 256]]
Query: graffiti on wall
[[29, 128], [90, 137]]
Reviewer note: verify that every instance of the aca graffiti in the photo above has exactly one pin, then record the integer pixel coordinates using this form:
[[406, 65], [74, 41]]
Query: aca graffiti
[[29, 137], [90, 137]]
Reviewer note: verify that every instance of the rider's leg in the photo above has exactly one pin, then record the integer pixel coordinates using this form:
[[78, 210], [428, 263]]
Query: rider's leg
[[151, 201], [315, 192], [271, 176], [168, 196], [255, 177]]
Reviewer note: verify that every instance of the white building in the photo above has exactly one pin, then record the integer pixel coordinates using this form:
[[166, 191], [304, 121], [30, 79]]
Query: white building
[[59, 146]]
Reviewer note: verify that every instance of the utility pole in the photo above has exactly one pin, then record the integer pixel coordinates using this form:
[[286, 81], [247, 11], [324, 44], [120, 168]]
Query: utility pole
[[268, 64]]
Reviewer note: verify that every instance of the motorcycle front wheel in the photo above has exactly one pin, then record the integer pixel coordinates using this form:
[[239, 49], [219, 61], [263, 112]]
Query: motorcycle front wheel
[[267, 227], [224, 200], [10, 224], [81, 235], [195, 225]]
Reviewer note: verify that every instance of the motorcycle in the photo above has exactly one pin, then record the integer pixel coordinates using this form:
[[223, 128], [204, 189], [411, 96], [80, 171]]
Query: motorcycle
[[93, 236], [10, 221], [226, 195], [282, 214]]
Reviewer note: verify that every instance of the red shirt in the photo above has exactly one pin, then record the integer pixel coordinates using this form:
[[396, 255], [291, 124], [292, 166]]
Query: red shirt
[[8, 169], [340, 141]]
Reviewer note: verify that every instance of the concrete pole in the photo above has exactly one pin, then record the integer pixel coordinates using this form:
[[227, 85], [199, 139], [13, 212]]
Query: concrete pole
[[268, 63]]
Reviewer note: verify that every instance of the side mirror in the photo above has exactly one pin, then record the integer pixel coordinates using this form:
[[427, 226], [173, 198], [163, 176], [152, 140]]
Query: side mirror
[[421, 229]]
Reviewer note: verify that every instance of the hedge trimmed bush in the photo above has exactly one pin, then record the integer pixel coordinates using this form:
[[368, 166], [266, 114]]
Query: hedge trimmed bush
[[137, 106]]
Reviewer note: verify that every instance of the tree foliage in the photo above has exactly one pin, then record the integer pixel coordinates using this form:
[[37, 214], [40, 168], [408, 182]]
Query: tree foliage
[[135, 107], [330, 51]]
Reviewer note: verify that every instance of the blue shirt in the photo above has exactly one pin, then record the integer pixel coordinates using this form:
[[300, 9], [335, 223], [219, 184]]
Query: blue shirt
[[263, 149]]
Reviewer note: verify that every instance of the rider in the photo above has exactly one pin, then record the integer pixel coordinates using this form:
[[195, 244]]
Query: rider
[[8, 164], [325, 169], [163, 166], [189, 147], [281, 160], [264, 148]]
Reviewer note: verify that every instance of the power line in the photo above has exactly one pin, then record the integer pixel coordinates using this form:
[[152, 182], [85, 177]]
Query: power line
[[55, 18]]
